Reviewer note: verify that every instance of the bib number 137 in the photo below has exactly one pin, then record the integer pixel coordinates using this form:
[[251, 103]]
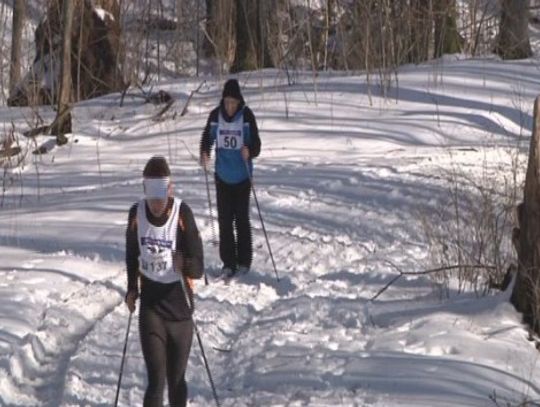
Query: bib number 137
[[154, 266]]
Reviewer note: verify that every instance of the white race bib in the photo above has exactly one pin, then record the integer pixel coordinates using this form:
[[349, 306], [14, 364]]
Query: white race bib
[[156, 260], [230, 136], [157, 245], [230, 139]]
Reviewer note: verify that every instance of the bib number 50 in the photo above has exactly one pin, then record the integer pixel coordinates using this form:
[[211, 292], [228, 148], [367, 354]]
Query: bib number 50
[[230, 142]]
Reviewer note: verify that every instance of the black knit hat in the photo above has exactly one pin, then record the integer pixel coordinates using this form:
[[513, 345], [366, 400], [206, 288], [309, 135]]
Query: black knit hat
[[156, 167], [232, 89]]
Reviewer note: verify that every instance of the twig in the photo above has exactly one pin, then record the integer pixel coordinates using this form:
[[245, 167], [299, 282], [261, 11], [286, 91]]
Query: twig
[[10, 152], [193, 156], [158, 115], [36, 131], [222, 349], [424, 272], [184, 110], [124, 93]]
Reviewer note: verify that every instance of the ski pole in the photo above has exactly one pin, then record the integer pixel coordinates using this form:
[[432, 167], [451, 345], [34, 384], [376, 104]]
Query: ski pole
[[122, 363], [207, 367], [214, 240], [261, 218], [199, 340]]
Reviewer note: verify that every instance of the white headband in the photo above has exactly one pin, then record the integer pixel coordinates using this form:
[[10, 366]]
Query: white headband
[[156, 188]]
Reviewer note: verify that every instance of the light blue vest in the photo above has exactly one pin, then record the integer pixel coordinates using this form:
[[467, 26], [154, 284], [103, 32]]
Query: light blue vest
[[229, 138]]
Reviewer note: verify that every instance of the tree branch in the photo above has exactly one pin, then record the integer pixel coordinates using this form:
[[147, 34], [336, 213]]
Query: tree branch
[[424, 272]]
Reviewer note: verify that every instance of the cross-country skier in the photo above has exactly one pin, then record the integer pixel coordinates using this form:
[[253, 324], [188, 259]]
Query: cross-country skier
[[163, 247], [232, 128]]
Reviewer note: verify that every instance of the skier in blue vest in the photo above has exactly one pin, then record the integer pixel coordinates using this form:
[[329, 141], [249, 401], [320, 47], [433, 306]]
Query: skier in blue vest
[[232, 129]]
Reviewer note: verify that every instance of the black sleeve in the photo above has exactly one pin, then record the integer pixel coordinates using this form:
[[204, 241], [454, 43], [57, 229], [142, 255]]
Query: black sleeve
[[206, 139], [191, 244], [255, 146], [132, 250]]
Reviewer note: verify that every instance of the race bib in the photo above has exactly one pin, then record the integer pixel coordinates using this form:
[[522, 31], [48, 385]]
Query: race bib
[[157, 265], [230, 139], [157, 245], [156, 256]]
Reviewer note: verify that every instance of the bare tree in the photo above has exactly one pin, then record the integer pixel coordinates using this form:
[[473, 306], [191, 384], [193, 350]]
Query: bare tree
[[416, 48], [245, 56], [19, 11], [251, 38], [446, 37], [329, 22], [62, 123], [513, 40], [219, 32], [526, 238], [480, 23], [208, 47]]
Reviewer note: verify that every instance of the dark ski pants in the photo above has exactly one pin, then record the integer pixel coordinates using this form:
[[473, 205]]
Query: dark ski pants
[[233, 213], [166, 346]]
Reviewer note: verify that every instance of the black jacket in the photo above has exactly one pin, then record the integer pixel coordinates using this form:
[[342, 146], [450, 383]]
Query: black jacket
[[167, 300]]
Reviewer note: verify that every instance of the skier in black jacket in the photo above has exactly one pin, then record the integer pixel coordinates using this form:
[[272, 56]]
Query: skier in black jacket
[[232, 128], [163, 252]]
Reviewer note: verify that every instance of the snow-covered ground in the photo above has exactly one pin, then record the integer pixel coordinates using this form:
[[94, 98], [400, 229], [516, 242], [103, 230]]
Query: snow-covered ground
[[342, 178]]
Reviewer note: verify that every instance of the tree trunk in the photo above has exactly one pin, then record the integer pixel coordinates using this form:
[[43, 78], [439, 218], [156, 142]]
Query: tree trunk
[[513, 40], [526, 292], [420, 31], [447, 38], [19, 15], [251, 43], [245, 56], [62, 123], [220, 38], [208, 47], [96, 51], [263, 15], [328, 23]]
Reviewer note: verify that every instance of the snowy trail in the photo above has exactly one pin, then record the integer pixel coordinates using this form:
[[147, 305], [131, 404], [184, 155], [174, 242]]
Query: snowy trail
[[312, 339], [342, 184], [233, 318]]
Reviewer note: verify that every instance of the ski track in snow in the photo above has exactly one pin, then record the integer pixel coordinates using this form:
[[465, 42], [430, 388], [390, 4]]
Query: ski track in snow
[[37, 367]]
